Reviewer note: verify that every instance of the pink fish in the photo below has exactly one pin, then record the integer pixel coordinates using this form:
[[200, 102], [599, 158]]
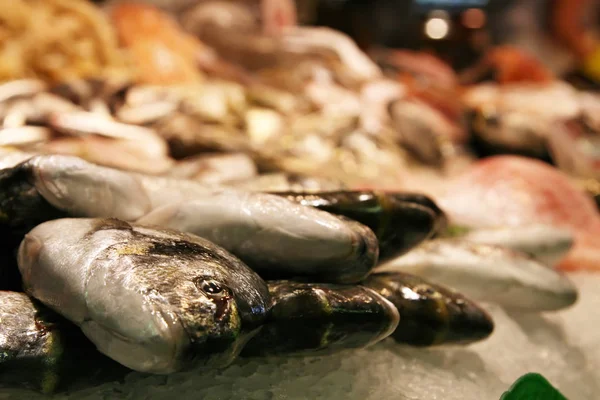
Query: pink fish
[[517, 191]]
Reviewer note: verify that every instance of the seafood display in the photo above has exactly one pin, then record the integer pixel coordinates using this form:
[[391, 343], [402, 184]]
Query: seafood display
[[187, 185]]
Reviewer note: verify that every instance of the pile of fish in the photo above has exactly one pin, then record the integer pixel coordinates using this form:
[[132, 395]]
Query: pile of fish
[[163, 228], [159, 274]]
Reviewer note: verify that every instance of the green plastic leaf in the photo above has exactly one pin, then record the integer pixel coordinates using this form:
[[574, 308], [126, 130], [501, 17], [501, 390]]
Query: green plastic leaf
[[532, 386]]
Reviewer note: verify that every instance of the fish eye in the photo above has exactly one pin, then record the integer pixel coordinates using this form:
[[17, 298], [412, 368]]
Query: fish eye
[[210, 287]]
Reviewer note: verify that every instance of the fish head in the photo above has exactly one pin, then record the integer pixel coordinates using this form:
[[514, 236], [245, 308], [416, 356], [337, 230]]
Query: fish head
[[218, 303], [208, 313]]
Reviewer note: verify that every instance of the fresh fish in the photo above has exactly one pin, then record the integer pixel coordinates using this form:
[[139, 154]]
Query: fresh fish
[[399, 225], [41, 351], [317, 319], [276, 237], [155, 301], [264, 230], [431, 314], [488, 273], [511, 191], [546, 244]]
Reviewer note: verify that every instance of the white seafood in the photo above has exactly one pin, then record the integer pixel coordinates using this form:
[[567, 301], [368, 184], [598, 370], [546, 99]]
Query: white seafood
[[547, 244], [488, 273]]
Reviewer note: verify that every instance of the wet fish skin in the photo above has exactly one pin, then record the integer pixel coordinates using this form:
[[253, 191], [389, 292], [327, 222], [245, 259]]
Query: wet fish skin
[[155, 301], [545, 243], [50, 187], [276, 237], [41, 351], [430, 314], [488, 273], [399, 225], [320, 319]]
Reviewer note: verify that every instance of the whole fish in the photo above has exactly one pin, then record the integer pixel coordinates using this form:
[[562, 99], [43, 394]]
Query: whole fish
[[399, 224], [511, 191], [276, 237], [431, 314], [155, 301], [269, 232], [43, 352], [488, 273], [546, 244], [317, 319]]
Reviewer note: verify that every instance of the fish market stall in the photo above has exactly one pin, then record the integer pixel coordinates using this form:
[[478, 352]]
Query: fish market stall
[[218, 200]]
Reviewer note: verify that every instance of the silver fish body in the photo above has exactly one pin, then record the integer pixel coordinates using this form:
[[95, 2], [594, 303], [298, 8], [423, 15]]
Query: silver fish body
[[275, 236], [488, 273], [153, 300], [399, 222], [546, 244]]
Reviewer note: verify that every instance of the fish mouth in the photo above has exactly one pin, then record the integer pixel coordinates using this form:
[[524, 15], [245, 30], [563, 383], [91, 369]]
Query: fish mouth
[[467, 323], [176, 333], [218, 345], [364, 255]]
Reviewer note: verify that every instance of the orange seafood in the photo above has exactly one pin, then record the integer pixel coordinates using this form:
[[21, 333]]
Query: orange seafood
[[160, 50], [510, 64]]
